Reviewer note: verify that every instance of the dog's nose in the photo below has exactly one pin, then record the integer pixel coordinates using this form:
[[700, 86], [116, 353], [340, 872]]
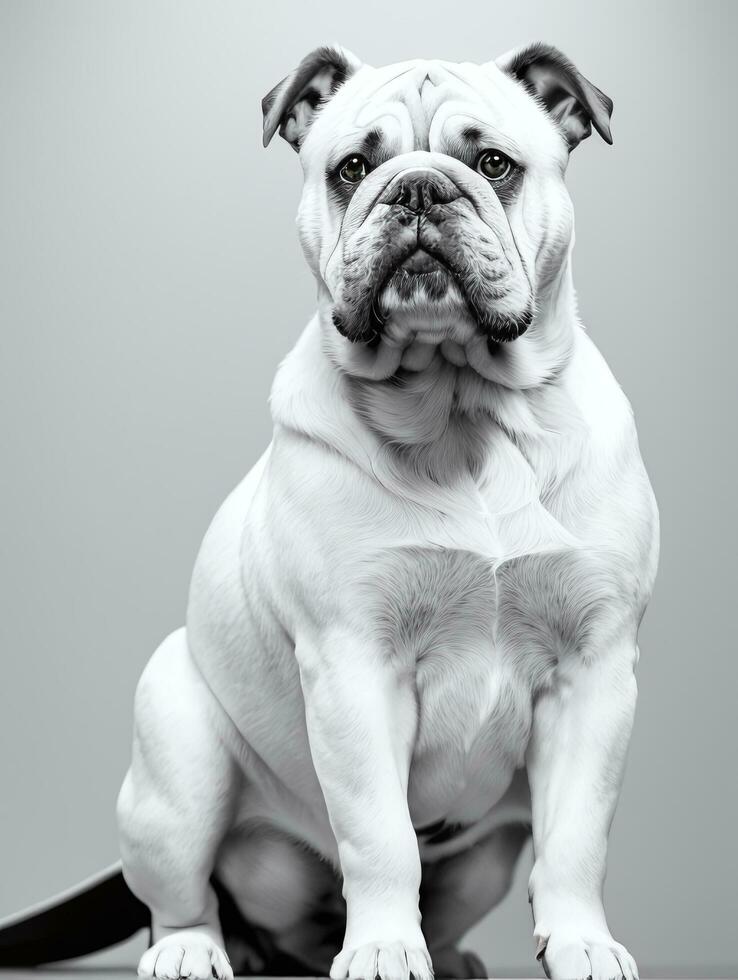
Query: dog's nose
[[419, 191]]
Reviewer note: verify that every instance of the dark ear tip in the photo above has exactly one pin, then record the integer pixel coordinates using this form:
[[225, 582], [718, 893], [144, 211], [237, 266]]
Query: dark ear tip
[[605, 132], [269, 130]]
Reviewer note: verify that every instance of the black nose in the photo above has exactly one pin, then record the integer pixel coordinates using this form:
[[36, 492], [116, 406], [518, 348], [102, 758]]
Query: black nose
[[420, 191]]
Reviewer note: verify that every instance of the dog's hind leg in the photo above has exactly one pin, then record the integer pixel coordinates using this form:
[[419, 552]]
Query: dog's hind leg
[[459, 890], [285, 890], [174, 809]]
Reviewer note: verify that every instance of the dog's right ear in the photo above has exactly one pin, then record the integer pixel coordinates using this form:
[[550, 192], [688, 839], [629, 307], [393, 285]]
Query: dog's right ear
[[291, 105], [573, 102]]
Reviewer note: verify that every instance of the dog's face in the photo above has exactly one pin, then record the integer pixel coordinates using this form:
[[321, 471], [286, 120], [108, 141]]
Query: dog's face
[[434, 212]]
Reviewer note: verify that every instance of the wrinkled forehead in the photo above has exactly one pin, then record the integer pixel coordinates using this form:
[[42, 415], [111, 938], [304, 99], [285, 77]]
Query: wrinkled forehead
[[425, 105]]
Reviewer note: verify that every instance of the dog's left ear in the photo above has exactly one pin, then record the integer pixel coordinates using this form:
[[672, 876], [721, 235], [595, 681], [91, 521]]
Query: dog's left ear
[[291, 105], [572, 101]]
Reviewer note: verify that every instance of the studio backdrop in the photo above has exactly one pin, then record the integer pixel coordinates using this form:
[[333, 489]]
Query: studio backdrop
[[151, 281]]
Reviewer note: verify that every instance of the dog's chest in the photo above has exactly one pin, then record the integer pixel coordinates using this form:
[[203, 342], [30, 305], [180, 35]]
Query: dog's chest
[[482, 643]]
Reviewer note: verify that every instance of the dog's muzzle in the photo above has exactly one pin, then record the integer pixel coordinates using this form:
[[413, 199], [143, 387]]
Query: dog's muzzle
[[424, 238]]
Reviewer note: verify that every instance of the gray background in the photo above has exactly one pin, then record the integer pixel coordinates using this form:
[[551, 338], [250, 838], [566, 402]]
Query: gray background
[[150, 282]]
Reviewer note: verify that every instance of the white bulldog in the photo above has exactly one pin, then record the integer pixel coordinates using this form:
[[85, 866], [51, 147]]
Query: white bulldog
[[412, 629]]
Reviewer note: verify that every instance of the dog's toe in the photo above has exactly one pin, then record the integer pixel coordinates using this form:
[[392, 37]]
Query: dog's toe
[[382, 961], [572, 958], [185, 956]]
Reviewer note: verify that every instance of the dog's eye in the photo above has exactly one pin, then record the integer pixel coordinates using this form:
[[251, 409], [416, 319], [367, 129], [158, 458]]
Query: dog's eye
[[353, 169], [494, 165]]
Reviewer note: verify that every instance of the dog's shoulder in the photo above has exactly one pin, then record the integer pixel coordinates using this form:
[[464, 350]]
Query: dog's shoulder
[[594, 482]]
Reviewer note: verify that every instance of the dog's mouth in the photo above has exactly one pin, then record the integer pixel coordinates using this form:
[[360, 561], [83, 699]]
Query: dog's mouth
[[414, 279], [428, 284], [421, 263], [421, 277]]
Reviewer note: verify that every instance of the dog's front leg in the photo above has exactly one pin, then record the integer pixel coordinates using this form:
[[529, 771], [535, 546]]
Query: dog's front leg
[[361, 718], [575, 761]]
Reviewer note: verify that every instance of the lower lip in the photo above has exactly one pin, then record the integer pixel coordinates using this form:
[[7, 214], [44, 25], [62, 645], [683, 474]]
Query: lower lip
[[421, 262]]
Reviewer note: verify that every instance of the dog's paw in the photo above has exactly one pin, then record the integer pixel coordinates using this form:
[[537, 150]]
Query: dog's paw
[[185, 954], [386, 961], [568, 956]]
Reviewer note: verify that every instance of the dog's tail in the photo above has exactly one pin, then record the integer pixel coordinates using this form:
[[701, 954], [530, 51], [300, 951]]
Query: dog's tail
[[102, 911], [99, 912]]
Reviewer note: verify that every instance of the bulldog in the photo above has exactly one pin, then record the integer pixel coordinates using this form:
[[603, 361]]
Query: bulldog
[[412, 630]]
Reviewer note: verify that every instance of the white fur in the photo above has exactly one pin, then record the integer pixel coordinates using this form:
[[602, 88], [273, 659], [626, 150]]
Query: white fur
[[379, 639]]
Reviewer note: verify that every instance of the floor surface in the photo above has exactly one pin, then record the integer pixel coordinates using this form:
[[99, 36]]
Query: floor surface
[[98, 972]]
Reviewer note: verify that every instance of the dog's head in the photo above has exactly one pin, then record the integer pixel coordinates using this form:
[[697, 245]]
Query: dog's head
[[434, 212]]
